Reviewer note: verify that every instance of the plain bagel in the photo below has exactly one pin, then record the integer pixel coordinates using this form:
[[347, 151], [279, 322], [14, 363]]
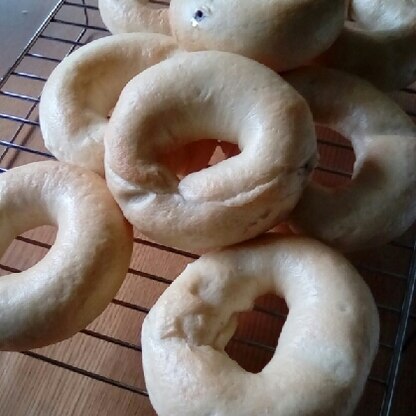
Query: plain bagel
[[126, 16], [209, 95], [83, 270], [380, 202], [383, 14], [282, 34], [83, 89], [325, 349], [380, 45]]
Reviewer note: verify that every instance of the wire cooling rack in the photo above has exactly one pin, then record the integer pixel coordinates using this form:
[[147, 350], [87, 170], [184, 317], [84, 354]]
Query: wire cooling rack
[[98, 371]]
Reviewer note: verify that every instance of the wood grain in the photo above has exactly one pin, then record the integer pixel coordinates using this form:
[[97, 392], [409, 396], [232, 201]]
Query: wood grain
[[76, 379]]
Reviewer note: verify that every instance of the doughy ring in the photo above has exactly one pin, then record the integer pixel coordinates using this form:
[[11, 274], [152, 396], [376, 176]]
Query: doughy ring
[[282, 34], [380, 46], [84, 88], [125, 16], [186, 98], [82, 271], [383, 14], [325, 349], [380, 202]]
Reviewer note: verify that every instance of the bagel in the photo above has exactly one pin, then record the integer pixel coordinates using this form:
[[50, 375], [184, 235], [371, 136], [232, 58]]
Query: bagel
[[125, 16], [188, 97], [83, 89], [282, 34], [379, 204], [383, 14], [380, 45], [325, 350], [83, 270]]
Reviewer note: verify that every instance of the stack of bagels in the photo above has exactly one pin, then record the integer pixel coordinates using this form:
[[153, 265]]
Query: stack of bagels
[[135, 119]]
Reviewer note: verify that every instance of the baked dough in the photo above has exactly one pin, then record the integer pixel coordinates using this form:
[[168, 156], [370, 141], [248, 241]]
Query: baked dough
[[380, 202], [282, 34], [325, 349], [209, 95], [380, 45], [125, 16], [83, 270], [383, 14], [83, 89]]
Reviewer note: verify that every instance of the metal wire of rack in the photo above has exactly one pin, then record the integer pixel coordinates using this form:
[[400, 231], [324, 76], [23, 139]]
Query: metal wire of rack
[[389, 271]]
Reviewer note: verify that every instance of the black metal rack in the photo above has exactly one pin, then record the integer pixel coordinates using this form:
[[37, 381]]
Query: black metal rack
[[16, 131]]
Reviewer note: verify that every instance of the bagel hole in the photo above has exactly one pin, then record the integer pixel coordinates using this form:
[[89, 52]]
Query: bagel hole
[[336, 159], [225, 151], [257, 333], [196, 156], [27, 249]]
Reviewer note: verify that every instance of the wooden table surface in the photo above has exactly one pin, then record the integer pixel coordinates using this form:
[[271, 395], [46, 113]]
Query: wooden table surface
[[18, 21], [98, 371]]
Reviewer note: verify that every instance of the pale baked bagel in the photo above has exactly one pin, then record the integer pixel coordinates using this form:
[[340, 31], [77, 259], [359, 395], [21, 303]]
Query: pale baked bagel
[[380, 45], [325, 349], [383, 14], [82, 271], [125, 16], [83, 89], [282, 34], [209, 95], [380, 202]]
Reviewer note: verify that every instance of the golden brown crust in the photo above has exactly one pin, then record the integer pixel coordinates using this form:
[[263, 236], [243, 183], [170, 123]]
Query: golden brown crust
[[281, 34], [127, 16], [325, 349], [83, 270], [187, 98], [84, 88], [380, 202]]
